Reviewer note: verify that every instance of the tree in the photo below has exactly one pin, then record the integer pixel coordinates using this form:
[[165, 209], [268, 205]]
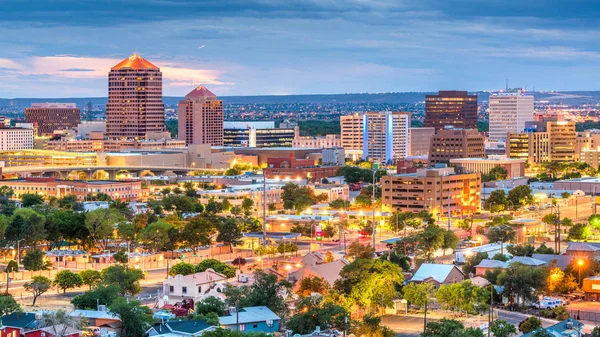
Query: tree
[[559, 282], [226, 204], [123, 208], [288, 247], [198, 231], [102, 294], [69, 202], [121, 256], [419, 294], [156, 235], [135, 317], [127, 279], [520, 196], [101, 225], [217, 266], [521, 250], [450, 241], [222, 332], [182, 268], [596, 332], [90, 277], [211, 304], [519, 280], [338, 204], [580, 231], [502, 328], [31, 199], [247, 204], [360, 251], [370, 326], [264, 291], [530, 324], [60, 323], [300, 197], [37, 286], [502, 234], [430, 240], [11, 267], [496, 173], [496, 201], [213, 207], [66, 279], [315, 311], [8, 305], [312, 284], [543, 249], [445, 327], [34, 261], [229, 233], [7, 206]]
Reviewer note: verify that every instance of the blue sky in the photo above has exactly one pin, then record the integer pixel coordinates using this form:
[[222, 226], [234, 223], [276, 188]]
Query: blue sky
[[257, 47]]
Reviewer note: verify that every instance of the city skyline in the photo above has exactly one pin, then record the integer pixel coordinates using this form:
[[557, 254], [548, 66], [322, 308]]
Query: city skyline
[[66, 49]]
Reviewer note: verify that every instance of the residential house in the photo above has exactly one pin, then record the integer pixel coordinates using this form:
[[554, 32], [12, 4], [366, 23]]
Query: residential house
[[583, 250], [438, 274], [487, 264], [28, 324], [255, 319], [329, 272], [196, 286], [566, 328], [105, 321], [183, 328], [561, 261], [528, 261]]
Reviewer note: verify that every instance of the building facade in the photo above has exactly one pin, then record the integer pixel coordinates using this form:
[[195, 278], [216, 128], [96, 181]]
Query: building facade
[[508, 112], [200, 118], [514, 167], [135, 107], [15, 138], [111, 145], [385, 136], [48, 117], [351, 127], [50, 187], [433, 190], [257, 134], [451, 108], [450, 143], [543, 142], [562, 140], [419, 140], [326, 141]]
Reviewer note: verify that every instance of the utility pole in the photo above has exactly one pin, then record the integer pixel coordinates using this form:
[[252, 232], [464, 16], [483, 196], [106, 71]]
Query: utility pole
[[375, 167], [449, 208], [264, 226], [490, 311], [557, 230]]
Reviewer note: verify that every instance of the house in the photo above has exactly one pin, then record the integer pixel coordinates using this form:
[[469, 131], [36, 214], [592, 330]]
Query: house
[[491, 249], [487, 264], [330, 272], [59, 330], [480, 281], [528, 261], [582, 250], [103, 320], [561, 261], [566, 328], [255, 319], [17, 323], [438, 274], [196, 286], [181, 328]]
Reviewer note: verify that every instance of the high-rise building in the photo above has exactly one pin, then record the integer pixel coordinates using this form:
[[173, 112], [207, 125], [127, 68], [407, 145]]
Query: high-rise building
[[352, 135], [450, 143], [48, 117], [433, 190], [15, 138], [257, 134], [135, 107], [562, 140], [385, 136], [543, 142], [508, 113], [419, 140], [451, 108], [200, 118]]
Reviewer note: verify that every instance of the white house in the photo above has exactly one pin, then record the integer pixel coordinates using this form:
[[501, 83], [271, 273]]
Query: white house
[[196, 286]]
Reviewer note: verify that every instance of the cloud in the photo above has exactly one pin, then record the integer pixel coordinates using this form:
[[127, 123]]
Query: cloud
[[77, 69]]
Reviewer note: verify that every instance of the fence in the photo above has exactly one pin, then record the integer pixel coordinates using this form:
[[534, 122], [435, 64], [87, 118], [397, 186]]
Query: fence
[[590, 316]]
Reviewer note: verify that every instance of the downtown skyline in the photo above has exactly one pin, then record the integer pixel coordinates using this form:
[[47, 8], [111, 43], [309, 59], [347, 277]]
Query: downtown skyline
[[66, 49]]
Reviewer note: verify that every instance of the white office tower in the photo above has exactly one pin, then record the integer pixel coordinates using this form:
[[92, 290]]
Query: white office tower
[[508, 113], [385, 136]]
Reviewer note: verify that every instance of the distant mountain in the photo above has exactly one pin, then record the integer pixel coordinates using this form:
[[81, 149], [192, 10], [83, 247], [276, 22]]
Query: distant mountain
[[565, 97]]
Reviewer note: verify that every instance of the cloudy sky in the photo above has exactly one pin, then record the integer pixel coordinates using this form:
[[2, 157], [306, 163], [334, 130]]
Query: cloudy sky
[[64, 48]]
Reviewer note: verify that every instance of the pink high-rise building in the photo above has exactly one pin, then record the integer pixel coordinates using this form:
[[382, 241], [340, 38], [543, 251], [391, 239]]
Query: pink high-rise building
[[200, 117]]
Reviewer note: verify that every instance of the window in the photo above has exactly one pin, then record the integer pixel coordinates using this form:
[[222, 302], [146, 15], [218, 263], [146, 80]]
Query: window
[[255, 326], [242, 327], [184, 290], [171, 289]]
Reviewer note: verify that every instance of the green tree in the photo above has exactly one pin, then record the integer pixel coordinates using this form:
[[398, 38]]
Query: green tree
[[580, 231], [502, 234], [496, 173], [198, 231], [300, 197], [430, 240], [101, 225], [229, 233], [11, 267], [60, 323], [360, 251], [121, 256], [520, 196], [338, 204], [502, 328], [182, 268], [521, 250], [312, 284], [37, 286], [288, 247], [226, 204], [156, 235], [34, 261], [66, 279], [519, 280], [31, 199], [127, 279], [136, 318], [211, 304], [90, 277], [69, 202], [444, 327], [496, 201], [247, 204], [315, 311], [530, 324], [217, 266], [8, 305], [102, 294], [264, 291], [450, 241]]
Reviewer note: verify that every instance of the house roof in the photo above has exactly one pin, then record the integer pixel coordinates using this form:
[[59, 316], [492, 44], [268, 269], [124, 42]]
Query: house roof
[[435, 271], [330, 272], [95, 314], [249, 315], [561, 328], [529, 261], [562, 261], [68, 330], [582, 246], [204, 277], [19, 320], [200, 92], [188, 327], [488, 263], [480, 281], [135, 62]]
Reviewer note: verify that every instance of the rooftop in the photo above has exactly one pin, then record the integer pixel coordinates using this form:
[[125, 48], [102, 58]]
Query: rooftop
[[135, 62], [200, 92], [435, 271], [188, 327], [250, 315]]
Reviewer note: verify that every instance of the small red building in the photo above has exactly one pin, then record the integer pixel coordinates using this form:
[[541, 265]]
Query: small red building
[[27, 324]]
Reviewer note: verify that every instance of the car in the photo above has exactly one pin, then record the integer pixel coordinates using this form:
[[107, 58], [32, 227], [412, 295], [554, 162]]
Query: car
[[531, 208], [544, 304]]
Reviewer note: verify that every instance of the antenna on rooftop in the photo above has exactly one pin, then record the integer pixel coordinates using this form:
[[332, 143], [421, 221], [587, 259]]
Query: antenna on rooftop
[[507, 84]]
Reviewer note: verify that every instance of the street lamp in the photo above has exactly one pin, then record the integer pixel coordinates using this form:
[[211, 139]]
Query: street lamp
[[579, 265]]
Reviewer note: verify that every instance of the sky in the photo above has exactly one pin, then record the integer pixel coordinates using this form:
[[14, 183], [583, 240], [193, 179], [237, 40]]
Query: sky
[[65, 48]]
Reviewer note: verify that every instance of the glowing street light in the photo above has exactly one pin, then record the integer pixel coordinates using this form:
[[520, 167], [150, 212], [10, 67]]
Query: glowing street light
[[579, 265]]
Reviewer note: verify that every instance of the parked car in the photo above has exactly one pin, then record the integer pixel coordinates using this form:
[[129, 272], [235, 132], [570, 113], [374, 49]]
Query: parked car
[[544, 304]]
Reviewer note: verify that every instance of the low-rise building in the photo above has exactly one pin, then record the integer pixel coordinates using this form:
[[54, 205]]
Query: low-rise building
[[439, 274], [433, 190], [326, 141], [251, 319], [181, 328], [31, 325], [196, 286], [515, 167], [51, 187], [332, 191], [566, 328]]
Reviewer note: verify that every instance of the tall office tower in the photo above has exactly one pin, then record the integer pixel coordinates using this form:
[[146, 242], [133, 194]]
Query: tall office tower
[[419, 139], [135, 107], [352, 135], [451, 108], [49, 117], [508, 113], [544, 141], [562, 140], [451, 143], [200, 117], [385, 136]]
